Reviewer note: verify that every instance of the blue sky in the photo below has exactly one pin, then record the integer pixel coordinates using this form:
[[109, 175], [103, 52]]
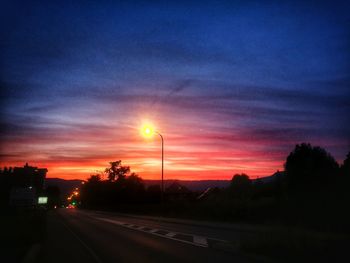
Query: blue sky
[[233, 85]]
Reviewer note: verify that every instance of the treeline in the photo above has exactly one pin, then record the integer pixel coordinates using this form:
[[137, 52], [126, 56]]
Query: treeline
[[309, 171], [120, 187], [312, 189]]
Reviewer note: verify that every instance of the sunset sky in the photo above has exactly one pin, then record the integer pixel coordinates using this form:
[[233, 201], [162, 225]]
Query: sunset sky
[[232, 87]]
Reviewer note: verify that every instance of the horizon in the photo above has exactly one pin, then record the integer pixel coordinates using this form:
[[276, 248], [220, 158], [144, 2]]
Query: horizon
[[154, 178], [168, 179], [159, 180], [232, 87]]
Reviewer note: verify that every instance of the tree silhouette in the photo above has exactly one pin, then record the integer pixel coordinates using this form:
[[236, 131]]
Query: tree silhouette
[[91, 191], [116, 171], [345, 168], [135, 181], [134, 188], [240, 185], [53, 193], [119, 188], [94, 178], [307, 165]]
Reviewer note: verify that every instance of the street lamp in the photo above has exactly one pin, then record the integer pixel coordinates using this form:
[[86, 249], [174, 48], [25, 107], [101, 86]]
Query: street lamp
[[148, 131]]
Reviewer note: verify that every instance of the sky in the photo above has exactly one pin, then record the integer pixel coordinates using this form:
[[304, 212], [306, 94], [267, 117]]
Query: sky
[[232, 86]]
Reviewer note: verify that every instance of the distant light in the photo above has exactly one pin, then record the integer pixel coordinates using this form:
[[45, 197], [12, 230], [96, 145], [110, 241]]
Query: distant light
[[30, 187], [42, 200]]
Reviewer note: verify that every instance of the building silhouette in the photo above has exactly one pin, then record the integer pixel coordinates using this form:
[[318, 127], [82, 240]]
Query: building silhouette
[[29, 176], [21, 185]]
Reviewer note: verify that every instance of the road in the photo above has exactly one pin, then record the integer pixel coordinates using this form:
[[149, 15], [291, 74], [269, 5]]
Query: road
[[75, 235]]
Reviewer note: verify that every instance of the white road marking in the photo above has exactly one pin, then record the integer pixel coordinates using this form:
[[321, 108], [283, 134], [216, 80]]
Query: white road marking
[[154, 232], [171, 234], [200, 240]]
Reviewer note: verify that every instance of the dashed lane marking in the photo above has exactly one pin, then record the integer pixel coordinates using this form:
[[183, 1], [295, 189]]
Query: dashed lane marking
[[200, 240], [171, 234], [181, 237]]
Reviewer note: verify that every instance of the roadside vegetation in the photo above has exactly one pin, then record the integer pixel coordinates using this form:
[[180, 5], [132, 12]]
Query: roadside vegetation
[[301, 211], [311, 191]]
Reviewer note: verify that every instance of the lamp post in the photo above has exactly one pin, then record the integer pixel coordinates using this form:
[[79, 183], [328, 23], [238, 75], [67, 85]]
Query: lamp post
[[148, 131], [162, 189]]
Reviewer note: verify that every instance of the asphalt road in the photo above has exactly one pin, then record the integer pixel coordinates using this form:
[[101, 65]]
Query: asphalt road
[[86, 236]]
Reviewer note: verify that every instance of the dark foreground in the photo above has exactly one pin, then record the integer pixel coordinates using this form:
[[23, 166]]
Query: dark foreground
[[84, 236], [73, 235]]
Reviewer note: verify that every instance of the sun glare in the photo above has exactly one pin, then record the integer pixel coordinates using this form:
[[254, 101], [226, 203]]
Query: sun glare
[[147, 130]]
